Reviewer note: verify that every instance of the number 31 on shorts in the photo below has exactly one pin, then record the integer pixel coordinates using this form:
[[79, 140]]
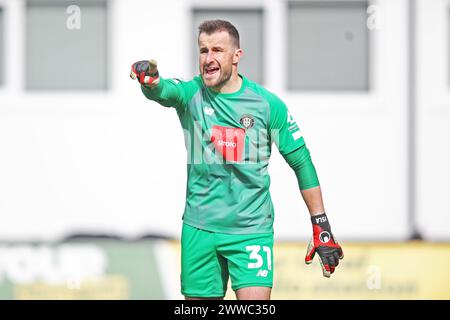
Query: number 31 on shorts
[[258, 257]]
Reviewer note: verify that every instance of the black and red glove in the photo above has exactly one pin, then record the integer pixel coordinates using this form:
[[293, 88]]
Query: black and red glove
[[146, 72], [324, 244]]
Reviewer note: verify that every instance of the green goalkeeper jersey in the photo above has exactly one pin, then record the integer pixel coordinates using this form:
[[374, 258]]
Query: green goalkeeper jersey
[[228, 138]]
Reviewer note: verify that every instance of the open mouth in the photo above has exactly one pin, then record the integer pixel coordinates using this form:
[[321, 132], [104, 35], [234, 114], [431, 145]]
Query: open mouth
[[211, 70]]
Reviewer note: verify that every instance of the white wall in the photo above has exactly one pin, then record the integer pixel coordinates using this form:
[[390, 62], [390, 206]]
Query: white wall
[[115, 162], [433, 118], [357, 142]]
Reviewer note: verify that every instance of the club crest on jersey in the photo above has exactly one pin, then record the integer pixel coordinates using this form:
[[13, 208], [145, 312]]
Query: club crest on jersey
[[247, 121], [324, 236]]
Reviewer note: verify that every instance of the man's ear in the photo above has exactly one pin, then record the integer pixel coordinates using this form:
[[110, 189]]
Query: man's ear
[[237, 55]]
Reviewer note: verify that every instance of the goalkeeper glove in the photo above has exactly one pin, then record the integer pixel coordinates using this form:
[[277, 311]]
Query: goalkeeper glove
[[324, 244], [146, 72]]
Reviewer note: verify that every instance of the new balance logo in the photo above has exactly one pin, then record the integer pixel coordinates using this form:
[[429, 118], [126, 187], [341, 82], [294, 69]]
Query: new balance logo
[[208, 110], [262, 273]]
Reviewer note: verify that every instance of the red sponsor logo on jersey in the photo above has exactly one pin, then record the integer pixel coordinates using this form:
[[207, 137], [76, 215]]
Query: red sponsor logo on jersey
[[229, 142]]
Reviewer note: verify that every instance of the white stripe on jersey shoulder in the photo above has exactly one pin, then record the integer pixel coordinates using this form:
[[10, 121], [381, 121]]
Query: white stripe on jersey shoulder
[[297, 135]]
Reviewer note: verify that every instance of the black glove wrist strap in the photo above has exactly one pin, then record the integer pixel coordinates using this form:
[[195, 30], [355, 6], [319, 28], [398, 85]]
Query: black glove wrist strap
[[321, 220]]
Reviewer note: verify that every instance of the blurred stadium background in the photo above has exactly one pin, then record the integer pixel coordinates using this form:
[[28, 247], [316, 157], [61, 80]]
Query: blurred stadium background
[[92, 175]]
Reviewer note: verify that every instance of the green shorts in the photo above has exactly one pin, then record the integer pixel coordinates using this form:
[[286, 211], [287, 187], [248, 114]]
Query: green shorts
[[209, 258]]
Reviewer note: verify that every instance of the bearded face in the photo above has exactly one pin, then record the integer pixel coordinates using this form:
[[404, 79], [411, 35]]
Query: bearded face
[[218, 56]]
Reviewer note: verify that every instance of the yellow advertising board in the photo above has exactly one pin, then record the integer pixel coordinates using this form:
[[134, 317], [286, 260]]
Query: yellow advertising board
[[368, 271], [108, 288], [412, 270], [151, 270]]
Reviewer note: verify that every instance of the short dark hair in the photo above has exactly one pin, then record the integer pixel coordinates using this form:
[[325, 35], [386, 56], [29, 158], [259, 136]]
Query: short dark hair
[[211, 26]]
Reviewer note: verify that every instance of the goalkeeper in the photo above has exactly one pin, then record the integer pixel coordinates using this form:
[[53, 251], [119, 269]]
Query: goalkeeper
[[230, 124]]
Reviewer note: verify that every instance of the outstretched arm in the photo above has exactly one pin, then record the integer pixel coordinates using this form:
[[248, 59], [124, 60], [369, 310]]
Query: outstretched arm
[[167, 92]]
